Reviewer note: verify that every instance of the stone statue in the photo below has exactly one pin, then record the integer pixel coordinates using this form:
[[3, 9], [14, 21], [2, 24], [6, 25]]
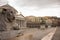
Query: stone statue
[[7, 18]]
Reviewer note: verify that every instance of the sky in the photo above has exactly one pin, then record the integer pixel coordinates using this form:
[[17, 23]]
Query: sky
[[35, 7]]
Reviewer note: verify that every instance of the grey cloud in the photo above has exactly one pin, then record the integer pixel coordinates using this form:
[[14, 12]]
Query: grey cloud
[[3, 2], [38, 3]]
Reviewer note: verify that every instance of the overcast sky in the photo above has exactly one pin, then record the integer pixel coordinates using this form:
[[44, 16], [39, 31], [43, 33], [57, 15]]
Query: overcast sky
[[36, 7]]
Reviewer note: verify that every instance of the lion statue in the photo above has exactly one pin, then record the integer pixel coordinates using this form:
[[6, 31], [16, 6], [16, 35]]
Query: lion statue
[[7, 18]]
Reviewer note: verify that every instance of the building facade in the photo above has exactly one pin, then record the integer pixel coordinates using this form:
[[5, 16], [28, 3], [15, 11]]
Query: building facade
[[20, 20]]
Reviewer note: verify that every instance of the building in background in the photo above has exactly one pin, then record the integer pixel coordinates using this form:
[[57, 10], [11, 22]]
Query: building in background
[[20, 20]]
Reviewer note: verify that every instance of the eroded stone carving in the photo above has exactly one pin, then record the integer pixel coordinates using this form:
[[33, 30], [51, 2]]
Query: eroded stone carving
[[6, 19]]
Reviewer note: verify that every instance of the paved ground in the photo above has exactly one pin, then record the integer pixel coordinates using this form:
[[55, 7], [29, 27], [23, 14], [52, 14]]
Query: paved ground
[[9, 34], [57, 34], [38, 34], [49, 36]]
